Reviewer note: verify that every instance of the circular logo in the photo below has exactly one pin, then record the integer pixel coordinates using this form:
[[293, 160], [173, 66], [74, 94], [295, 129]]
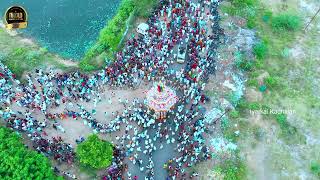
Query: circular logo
[[16, 18]]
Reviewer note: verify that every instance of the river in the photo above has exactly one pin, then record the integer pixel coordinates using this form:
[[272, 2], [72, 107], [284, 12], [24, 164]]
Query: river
[[65, 27]]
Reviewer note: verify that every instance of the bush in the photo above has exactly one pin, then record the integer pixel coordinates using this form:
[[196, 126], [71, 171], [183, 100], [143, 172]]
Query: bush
[[288, 132], [251, 22], [242, 3], [17, 162], [258, 133], [260, 50], [95, 153], [259, 63], [286, 128], [271, 82], [254, 106], [233, 169], [253, 82], [315, 168], [242, 63], [234, 114], [286, 22], [282, 120], [246, 65], [242, 105]]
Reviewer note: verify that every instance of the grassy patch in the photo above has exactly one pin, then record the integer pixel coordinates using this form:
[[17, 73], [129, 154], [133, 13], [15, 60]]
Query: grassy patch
[[286, 22], [288, 132], [144, 7], [276, 33], [243, 63], [315, 168], [24, 59], [243, 3], [271, 82], [232, 169], [260, 50], [20, 57]]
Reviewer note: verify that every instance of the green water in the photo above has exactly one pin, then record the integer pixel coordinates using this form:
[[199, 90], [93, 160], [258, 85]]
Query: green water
[[65, 27]]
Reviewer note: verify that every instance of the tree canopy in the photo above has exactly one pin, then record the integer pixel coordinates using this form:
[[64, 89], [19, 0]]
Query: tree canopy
[[18, 162], [95, 153]]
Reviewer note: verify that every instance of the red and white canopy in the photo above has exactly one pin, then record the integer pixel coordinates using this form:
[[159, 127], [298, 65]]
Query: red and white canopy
[[161, 98]]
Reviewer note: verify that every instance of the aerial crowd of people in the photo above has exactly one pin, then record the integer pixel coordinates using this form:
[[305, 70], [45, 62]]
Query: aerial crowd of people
[[147, 58]]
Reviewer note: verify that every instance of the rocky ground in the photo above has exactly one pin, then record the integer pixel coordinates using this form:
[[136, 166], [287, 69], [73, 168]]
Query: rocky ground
[[272, 157]]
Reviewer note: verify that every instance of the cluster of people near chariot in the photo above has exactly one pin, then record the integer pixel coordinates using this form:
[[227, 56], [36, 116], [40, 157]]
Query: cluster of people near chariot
[[144, 58]]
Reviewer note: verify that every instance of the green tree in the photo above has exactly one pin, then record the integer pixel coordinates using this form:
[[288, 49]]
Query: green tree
[[17, 162], [95, 153]]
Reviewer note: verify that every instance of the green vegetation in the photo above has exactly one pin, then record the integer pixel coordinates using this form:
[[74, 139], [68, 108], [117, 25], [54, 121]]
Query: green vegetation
[[315, 168], [243, 3], [286, 22], [20, 58], [95, 153], [272, 46], [284, 65], [17, 58], [271, 82], [243, 8], [234, 114], [143, 8], [110, 37], [284, 125], [260, 50], [232, 169], [17, 162], [243, 63]]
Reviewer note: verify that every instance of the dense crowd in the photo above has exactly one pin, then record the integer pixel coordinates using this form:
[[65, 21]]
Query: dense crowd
[[144, 58]]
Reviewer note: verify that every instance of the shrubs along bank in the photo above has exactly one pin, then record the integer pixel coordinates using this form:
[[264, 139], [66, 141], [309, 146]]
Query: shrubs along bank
[[110, 37], [18, 162]]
